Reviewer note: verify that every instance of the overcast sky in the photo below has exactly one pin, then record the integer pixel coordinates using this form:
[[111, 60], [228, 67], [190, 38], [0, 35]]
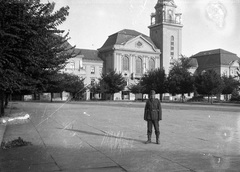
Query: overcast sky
[[208, 24]]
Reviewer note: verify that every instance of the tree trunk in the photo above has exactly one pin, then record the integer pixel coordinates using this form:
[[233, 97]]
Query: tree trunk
[[182, 98], [208, 98], [161, 95], [211, 100], [51, 97], [1, 103], [111, 97], [6, 100], [73, 96]]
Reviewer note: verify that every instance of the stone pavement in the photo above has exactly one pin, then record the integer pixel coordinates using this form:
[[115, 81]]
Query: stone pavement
[[103, 138]]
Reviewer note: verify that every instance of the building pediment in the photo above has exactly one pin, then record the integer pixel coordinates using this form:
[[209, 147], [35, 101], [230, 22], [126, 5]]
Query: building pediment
[[139, 44], [234, 63]]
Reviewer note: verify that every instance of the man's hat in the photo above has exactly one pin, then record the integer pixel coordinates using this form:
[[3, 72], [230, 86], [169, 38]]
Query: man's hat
[[152, 92]]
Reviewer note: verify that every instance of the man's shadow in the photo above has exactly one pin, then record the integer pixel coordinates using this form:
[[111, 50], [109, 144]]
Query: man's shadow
[[106, 134]]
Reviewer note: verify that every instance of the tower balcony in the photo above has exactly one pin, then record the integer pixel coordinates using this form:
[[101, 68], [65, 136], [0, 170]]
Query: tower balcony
[[166, 21], [171, 21]]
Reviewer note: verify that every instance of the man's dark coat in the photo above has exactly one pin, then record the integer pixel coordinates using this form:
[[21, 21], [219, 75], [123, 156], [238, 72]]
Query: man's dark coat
[[153, 110]]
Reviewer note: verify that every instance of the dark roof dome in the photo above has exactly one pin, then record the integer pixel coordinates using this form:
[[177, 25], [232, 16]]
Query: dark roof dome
[[122, 37]]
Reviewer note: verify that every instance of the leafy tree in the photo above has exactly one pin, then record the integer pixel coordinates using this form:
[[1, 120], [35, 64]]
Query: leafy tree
[[183, 62], [154, 80], [31, 47], [230, 84], [180, 80], [95, 88], [209, 83], [235, 95], [55, 84], [136, 88], [112, 82], [74, 85]]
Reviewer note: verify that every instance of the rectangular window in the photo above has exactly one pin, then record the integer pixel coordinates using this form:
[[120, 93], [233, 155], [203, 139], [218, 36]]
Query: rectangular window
[[92, 70], [100, 70], [80, 63], [70, 66], [139, 66]]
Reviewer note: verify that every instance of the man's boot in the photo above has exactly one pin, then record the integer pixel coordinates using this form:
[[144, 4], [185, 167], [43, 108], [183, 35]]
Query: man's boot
[[157, 138], [149, 139]]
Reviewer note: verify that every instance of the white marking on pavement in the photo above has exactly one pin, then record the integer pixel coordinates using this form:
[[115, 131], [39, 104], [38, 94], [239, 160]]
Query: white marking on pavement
[[44, 111], [225, 134], [220, 163], [85, 113], [71, 123], [17, 119]]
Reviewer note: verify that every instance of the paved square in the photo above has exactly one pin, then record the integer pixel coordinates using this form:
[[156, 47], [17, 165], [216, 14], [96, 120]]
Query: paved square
[[110, 136]]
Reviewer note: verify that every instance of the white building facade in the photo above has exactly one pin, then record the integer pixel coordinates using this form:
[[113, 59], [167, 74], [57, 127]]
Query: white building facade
[[130, 53]]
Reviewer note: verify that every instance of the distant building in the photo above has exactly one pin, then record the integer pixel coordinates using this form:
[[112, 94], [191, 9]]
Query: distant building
[[130, 53], [222, 61], [86, 65], [133, 53]]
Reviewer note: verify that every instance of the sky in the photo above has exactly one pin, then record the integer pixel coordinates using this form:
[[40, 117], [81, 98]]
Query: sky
[[207, 24]]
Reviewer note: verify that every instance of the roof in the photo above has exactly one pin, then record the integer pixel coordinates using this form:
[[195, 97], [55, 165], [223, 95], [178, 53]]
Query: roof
[[88, 54], [193, 62], [215, 57], [122, 37], [210, 52]]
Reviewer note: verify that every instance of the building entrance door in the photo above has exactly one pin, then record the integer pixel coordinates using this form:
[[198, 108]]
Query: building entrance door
[[125, 95]]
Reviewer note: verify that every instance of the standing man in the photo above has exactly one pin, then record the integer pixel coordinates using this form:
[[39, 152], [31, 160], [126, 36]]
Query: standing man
[[152, 114]]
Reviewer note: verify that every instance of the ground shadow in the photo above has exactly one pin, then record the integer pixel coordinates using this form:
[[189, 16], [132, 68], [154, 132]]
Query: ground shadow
[[105, 134]]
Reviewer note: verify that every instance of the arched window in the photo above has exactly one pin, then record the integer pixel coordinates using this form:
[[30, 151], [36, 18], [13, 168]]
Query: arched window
[[151, 64], [125, 63], [139, 66], [170, 15], [172, 47], [163, 16]]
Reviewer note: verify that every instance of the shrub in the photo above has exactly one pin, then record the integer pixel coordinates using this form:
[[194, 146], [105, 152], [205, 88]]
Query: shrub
[[235, 96], [14, 143], [197, 99]]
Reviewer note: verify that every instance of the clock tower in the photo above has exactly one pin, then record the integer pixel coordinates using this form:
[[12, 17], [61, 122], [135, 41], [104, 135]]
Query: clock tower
[[166, 32]]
